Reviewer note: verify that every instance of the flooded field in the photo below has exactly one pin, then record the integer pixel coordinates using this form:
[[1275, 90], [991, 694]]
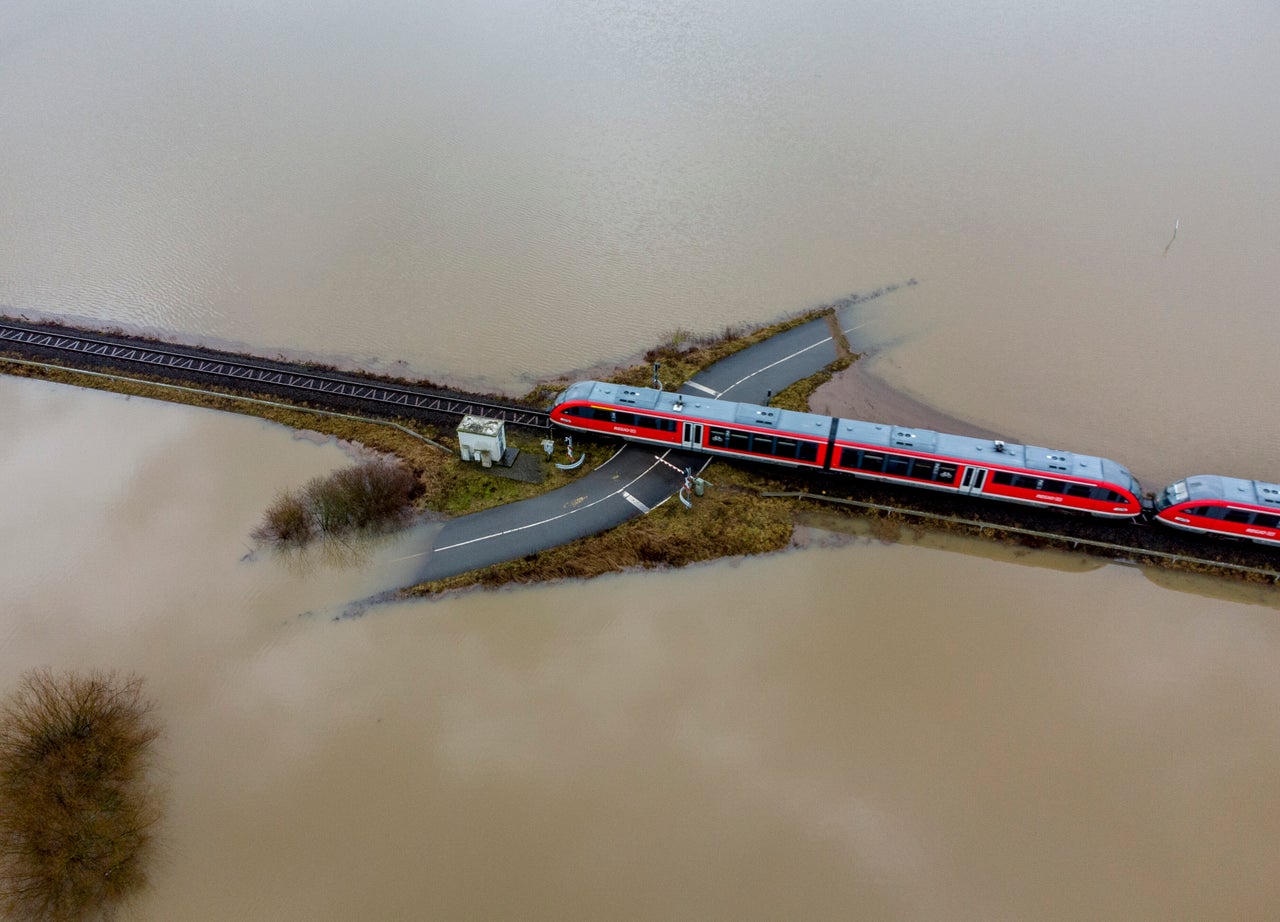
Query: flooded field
[[500, 192]]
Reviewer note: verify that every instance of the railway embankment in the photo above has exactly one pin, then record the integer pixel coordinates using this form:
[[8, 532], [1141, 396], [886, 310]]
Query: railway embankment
[[306, 384], [751, 509]]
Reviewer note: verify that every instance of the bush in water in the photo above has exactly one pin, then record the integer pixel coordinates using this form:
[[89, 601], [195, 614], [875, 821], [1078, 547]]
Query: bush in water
[[76, 806], [370, 495]]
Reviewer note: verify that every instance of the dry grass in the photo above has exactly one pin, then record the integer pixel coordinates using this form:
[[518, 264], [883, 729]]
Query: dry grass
[[76, 807], [730, 520], [796, 397], [683, 355]]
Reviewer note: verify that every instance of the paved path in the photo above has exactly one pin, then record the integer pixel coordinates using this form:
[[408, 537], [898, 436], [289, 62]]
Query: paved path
[[769, 366], [635, 480], [638, 477]]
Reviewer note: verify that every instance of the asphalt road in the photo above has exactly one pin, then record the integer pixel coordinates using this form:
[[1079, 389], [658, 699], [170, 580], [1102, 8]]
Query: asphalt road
[[769, 366], [636, 479]]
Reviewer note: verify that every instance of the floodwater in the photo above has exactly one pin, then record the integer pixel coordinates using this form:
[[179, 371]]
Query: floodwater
[[500, 191]]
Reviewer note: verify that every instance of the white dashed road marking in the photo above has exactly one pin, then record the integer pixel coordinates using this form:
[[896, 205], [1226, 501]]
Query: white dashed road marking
[[635, 502]]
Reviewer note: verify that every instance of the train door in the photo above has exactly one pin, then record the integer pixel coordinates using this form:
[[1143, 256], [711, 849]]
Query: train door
[[974, 478], [692, 437]]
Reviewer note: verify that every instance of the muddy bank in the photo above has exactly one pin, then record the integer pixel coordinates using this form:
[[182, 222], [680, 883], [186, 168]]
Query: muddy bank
[[858, 394]]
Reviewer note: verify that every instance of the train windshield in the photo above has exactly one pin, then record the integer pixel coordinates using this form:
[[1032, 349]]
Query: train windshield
[[1174, 493]]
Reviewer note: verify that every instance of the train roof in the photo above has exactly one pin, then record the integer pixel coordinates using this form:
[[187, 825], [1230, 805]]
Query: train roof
[[1052, 462], [979, 451], [708, 408], [1233, 489]]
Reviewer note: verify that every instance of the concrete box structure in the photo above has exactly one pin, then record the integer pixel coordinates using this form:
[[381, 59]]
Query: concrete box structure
[[482, 439]]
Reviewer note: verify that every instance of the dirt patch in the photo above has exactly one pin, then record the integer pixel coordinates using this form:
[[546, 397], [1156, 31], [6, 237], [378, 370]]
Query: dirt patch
[[854, 393]]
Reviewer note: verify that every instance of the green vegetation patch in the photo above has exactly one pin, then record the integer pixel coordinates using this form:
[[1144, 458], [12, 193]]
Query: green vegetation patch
[[796, 397]]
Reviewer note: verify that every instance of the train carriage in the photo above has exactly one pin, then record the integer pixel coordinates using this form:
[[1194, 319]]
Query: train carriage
[[922, 458], [992, 469], [720, 427], [1224, 506]]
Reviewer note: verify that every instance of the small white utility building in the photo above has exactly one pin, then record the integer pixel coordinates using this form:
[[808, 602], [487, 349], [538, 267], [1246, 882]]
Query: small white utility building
[[482, 439]]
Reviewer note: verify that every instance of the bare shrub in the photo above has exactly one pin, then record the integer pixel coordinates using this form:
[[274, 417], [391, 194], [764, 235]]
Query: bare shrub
[[371, 495], [76, 807], [286, 521], [374, 493]]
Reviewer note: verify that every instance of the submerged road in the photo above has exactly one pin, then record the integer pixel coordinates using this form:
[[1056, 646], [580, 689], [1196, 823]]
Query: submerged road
[[637, 478]]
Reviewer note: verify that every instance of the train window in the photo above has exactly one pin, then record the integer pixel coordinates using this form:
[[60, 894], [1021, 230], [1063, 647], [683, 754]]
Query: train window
[[808, 451], [762, 444], [1077, 489], [1266, 520], [849, 457], [719, 437], [740, 441], [946, 473], [870, 461], [572, 411], [1003, 478], [785, 448], [896, 464], [922, 468], [1053, 486], [624, 419], [656, 422], [1239, 516]]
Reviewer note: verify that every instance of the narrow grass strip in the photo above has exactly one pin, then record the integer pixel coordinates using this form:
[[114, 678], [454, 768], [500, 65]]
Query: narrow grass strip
[[229, 396]]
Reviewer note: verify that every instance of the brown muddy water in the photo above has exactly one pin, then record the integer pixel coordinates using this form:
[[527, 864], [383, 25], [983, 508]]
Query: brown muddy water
[[500, 191]]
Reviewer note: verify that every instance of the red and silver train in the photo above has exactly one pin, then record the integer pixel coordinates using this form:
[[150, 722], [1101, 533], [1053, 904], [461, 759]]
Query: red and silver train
[[916, 457], [1229, 506]]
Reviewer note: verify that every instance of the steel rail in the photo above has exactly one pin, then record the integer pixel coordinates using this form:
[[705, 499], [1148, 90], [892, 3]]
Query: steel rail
[[246, 371]]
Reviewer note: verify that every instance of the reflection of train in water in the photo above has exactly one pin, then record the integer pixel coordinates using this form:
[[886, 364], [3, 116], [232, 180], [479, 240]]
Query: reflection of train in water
[[916, 457]]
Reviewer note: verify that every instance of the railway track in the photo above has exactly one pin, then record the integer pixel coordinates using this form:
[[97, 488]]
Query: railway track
[[92, 351], [189, 364]]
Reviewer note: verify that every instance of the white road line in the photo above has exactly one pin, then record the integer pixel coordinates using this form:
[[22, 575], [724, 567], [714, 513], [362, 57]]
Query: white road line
[[857, 326], [635, 502], [498, 534], [702, 387], [785, 358], [621, 449]]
